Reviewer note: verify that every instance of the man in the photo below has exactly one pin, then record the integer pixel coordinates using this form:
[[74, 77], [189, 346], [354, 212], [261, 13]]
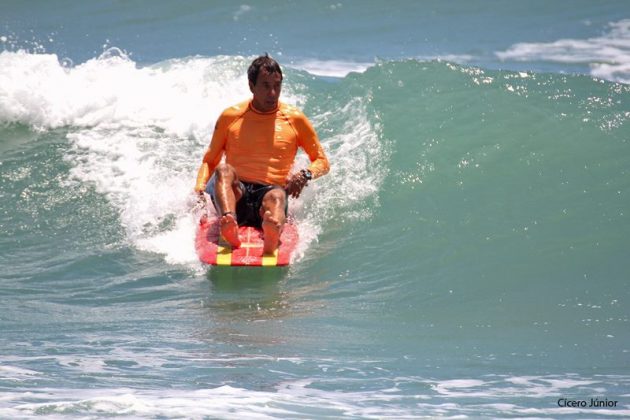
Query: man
[[260, 139]]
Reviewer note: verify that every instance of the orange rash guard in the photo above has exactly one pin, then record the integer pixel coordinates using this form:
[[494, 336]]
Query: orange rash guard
[[262, 146]]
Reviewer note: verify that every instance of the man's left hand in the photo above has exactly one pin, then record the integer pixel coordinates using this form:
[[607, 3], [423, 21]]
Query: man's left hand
[[296, 184]]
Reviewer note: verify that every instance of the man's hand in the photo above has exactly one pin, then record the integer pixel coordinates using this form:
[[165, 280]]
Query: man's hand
[[296, 184], [201, 200]]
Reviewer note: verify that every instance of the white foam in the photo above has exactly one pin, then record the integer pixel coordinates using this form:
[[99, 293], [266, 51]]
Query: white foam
[[242, 10], [222, 402], [111, 91], [458, 384], [359, 157], [607, 55], [13, 373], [490, 396]]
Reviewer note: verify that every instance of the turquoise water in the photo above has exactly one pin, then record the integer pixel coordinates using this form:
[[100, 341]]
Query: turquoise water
[[466, 256]]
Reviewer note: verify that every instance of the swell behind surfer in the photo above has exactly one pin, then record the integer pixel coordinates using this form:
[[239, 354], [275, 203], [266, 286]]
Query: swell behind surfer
[[260, 139]]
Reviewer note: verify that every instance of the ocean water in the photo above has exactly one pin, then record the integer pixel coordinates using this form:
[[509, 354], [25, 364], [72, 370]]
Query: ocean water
[[466, 257]]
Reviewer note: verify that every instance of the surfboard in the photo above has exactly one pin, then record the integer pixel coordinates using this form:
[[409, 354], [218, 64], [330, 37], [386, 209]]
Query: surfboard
[[213, 249]]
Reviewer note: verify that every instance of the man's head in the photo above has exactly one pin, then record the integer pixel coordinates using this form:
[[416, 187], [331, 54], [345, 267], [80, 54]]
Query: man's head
[[265, 82], [264, 64]]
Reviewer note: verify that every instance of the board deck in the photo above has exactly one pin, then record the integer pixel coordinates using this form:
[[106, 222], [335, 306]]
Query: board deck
[[214, 250]]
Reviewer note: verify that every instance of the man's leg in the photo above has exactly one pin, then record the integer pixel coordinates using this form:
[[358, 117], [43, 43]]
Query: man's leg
[[273, 218], [228, 192]]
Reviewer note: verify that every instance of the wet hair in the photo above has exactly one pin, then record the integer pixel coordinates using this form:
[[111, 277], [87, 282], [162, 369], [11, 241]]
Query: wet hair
[[263, 63]]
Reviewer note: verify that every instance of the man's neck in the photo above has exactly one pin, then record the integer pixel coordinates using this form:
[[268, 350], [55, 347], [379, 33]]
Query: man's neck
[[256, 110]]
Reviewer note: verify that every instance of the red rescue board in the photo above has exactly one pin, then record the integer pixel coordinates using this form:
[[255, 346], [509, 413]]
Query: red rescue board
[[213, 249]]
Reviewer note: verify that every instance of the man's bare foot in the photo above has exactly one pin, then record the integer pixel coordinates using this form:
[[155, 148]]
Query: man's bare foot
[[229, 230], [271, 233]]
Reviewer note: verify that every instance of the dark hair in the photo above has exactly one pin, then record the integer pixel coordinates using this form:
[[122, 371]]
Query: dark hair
[[264, 63]]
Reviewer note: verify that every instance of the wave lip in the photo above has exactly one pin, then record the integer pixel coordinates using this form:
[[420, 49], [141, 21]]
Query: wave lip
[[342, 68], [608, 56], [331, 68]]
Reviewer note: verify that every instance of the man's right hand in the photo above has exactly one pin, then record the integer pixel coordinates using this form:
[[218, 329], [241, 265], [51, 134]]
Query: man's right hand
[[201, 201]]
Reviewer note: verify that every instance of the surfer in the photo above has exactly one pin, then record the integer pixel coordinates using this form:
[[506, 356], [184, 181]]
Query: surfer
[[259, 138]]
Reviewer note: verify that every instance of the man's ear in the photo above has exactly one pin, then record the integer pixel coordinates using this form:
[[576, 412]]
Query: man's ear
[[251, 87]]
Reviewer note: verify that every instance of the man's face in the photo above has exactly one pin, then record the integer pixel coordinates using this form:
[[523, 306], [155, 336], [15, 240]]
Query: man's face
[[266, 91]]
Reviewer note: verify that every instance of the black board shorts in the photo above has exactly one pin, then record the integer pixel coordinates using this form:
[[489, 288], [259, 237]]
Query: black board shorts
[[248, 207]]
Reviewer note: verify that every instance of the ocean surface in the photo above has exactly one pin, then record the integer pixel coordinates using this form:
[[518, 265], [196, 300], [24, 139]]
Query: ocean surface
[[466, 257]]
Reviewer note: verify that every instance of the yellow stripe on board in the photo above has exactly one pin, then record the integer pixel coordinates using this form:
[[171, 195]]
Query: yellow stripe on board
[[224, 253], [270, 260]]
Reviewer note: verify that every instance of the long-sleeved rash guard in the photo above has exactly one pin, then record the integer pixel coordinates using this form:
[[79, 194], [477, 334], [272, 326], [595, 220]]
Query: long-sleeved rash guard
[[262, 146]]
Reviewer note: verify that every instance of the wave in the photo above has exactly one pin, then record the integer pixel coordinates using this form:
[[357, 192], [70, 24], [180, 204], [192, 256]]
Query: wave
[[138, 134]]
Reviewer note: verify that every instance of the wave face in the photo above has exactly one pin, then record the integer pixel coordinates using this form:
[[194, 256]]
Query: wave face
[[466, 255]]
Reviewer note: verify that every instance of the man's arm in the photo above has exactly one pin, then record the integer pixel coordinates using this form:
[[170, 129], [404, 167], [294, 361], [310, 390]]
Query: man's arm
[[213, 155], [307, 140]]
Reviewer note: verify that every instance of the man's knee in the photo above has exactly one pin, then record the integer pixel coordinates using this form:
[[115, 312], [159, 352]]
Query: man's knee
[[275, 201], [275, 197]]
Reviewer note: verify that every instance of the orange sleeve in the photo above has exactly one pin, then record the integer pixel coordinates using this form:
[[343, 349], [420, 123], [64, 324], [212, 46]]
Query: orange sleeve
[[308, 140], [213, 155]]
